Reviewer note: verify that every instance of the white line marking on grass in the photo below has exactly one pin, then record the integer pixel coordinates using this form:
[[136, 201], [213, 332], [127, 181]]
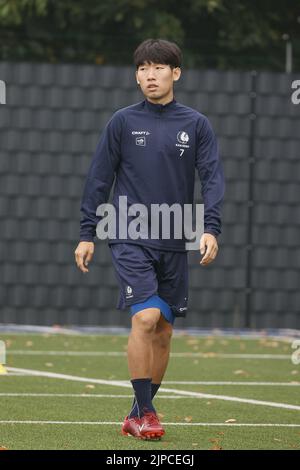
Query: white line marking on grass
[[81, 395], [208, 355], [235, 399], [14, 374], [273, 384], [26, 352], [53, 375], [214, 355], [116, 423], [119, 383]]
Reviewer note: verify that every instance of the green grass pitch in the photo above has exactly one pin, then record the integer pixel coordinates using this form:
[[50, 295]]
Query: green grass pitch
[[246, 394]]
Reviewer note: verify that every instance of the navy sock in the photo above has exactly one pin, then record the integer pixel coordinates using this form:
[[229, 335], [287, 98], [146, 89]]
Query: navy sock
[[144, 392], [154, 389], [134, 413]]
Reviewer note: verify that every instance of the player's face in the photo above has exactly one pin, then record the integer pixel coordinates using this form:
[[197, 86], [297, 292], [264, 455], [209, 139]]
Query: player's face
[[156, 81]]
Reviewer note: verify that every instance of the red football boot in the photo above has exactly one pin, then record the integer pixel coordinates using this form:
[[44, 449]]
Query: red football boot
[[150, 427], [131, 427]]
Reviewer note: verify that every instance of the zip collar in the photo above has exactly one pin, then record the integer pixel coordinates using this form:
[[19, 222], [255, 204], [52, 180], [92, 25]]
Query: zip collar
[[160, 108]]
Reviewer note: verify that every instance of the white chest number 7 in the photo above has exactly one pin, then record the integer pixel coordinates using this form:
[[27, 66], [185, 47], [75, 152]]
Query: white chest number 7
[[181, 152]]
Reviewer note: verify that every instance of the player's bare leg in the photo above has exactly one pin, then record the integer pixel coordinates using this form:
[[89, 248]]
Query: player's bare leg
[[140, 364], [161, 349], [140, 350]]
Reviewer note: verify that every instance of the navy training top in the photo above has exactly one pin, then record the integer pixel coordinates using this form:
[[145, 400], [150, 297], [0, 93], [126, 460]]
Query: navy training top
[[151, 152]]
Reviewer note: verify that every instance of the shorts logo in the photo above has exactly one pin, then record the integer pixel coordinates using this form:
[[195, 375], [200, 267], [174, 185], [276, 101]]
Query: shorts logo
[[129, 292], [141, 141]]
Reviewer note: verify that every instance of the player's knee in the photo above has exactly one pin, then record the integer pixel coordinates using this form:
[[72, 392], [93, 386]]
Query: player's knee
[[145, 321]]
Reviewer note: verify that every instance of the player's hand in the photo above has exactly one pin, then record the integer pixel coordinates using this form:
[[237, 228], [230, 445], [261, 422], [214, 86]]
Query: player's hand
[[83, 255], [209, 242]]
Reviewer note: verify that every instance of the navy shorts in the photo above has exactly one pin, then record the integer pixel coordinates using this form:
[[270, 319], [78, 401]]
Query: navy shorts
[[146, 274]]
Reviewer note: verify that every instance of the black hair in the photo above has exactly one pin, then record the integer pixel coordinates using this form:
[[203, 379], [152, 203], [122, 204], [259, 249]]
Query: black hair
[[158, 51]]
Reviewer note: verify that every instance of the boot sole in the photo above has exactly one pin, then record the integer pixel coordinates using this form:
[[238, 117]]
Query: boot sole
[[148, 436], [153, 435]]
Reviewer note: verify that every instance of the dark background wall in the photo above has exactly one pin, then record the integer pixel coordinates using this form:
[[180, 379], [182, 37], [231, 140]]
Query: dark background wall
[[49, 129]]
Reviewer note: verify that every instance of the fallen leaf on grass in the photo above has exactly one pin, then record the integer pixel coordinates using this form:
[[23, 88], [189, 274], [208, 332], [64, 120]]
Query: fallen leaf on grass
[[240, 372], [28, 344], [90, 386], [48, 364], [294, 372], [160, 415], [188, 419], [231, 420], [216, 448], [279, 440], [3, 448]]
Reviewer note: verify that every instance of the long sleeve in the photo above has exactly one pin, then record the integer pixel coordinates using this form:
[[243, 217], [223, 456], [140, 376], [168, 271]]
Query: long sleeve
[[211, 174], [100, 176]]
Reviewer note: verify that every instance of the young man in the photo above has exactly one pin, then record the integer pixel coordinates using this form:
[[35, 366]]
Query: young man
[[151, 150]]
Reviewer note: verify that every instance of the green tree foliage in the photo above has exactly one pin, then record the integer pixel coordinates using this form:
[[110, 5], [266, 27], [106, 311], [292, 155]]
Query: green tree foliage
[[212, 33]]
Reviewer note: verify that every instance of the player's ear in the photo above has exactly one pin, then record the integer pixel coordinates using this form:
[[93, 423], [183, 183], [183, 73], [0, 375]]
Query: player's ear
[[176, 73], [136, 77]]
